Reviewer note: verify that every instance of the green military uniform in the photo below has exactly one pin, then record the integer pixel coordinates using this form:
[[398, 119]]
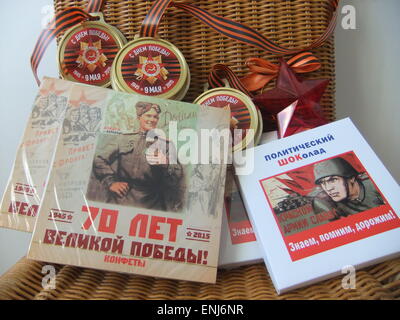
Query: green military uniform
[[122, 158]]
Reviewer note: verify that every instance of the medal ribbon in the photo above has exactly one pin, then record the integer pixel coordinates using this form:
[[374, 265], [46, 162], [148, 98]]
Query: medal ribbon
[[262, 72], [230, 28], [219, 72], [62, 21], [94, 6]]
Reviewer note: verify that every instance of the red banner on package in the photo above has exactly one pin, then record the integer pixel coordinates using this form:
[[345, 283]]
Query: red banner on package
[[338, 233]]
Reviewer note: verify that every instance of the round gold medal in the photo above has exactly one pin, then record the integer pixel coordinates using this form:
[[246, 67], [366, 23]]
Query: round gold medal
[[151, 67], [180, 95], [86, 52], [244, 117]]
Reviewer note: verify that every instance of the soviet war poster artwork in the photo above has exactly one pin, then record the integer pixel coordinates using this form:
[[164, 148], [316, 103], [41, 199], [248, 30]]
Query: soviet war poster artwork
[[323, 205], [120, 194], [25, 187], [125, 168]]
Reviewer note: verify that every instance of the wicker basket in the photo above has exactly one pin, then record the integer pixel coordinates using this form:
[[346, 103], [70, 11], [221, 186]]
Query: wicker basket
[[292, 23], [24, 281]]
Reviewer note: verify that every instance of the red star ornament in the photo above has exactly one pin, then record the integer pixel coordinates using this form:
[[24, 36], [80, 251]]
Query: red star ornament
[[301, 97]]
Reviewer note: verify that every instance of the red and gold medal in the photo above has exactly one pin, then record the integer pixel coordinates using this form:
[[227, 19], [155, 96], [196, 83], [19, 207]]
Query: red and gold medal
[[244, 117], [87, 51], [151, 67]]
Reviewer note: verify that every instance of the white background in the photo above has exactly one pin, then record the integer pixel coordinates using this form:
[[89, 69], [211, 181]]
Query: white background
[[367, 87]]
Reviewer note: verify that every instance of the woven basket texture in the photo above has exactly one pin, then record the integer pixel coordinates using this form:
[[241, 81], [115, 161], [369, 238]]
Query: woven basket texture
[[295, 24], [24, 281]]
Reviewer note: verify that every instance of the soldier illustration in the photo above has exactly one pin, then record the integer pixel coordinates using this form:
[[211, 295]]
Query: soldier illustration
[[61, 106], [93, 125], [344, 189], [134, 176], [215, 177], [39, 100], [84, 118], [205, 179], [72, 127], [55, 108], [94, 119], [75, 120], [198, 191], [50, 111], [39, 110]]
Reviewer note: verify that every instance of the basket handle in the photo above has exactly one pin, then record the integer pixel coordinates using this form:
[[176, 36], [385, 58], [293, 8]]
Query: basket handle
[[231, 29]]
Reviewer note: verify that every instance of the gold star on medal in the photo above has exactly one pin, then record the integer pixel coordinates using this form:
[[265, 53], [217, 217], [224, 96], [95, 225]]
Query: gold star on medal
[[151, 69], [91, 56]]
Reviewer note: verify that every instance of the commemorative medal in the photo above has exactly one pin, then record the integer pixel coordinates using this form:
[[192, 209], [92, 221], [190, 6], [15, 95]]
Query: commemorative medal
[[244, 116], [151, 67], [186, 86], [87, 50]]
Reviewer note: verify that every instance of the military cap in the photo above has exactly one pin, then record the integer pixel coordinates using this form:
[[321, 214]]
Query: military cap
[[143, 107], [333, 167]]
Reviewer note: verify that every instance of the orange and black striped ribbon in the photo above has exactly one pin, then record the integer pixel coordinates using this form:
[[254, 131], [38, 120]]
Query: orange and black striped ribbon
[[262, 71], [236, 31], [62, 21], [230, 28], [152, 20], [94, 6], [220, 72], [245, 34]]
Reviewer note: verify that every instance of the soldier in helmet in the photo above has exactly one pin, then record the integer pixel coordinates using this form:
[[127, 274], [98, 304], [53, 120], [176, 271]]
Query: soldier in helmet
[[343, 189], [132, 174]]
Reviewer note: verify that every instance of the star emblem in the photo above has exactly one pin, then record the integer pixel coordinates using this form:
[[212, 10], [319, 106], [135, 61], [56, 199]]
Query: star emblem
[[81, 100], [50, 87], [302, 96], [91, 56], [151, 69]]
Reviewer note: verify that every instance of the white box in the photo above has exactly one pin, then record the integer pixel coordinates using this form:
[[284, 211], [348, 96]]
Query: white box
[[307, 228]]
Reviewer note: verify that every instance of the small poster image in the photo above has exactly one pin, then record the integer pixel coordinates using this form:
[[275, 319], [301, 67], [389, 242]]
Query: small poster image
[[327, 204], [125, 166], [122, 199]]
